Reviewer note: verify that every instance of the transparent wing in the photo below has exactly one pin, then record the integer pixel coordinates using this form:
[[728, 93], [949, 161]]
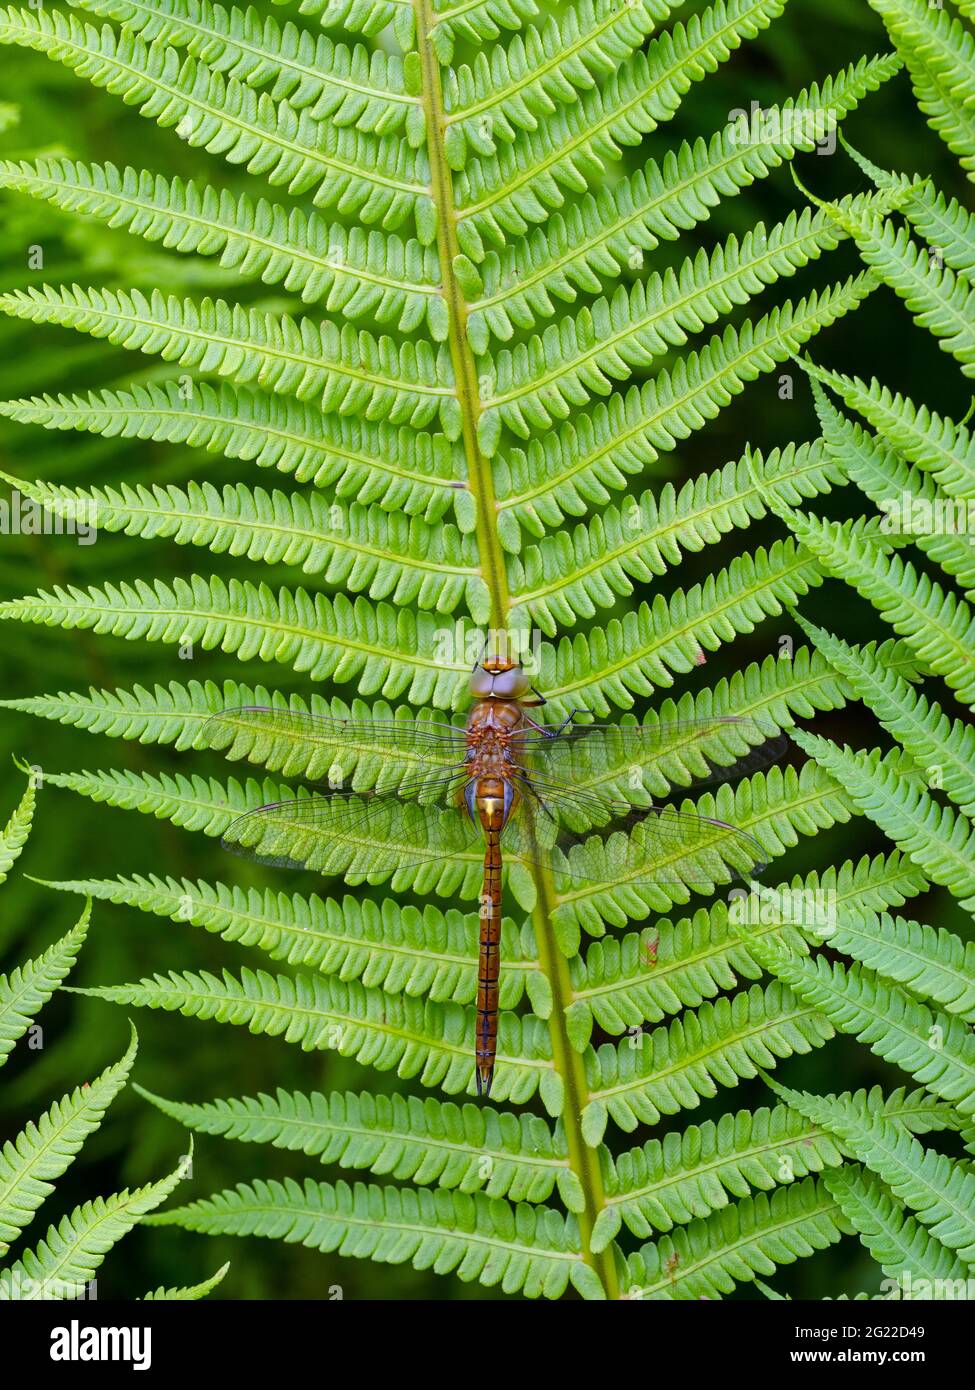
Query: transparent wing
[[357, 835], [386, 753], [595, 842], [637, 762], [581, 839]]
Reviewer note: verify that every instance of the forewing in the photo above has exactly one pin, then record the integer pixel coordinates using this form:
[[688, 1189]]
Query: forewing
[[640, 762], [357, 754]]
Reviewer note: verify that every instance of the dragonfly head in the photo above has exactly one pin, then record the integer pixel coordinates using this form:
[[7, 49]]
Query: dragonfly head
[[499, 678]]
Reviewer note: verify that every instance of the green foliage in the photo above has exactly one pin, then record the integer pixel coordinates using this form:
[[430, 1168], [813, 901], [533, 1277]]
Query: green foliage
[[904, 987], [66, 1259], [511, 344]]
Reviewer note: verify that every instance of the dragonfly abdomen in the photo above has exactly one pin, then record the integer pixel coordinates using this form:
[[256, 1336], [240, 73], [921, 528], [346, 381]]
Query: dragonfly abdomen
[[493, 797], [488, 964]]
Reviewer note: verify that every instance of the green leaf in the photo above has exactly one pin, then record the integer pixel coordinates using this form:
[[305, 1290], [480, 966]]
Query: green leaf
[[753, 1237], [523, 1249], [899, 1244], [470, 1148], [431, 1041], [28, 987], [35, 1158], [72, 1251], [190, 1294], [936, 1049]]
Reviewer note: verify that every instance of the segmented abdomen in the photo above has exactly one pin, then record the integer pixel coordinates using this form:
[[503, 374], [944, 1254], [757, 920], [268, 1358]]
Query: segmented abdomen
[[489, 961]]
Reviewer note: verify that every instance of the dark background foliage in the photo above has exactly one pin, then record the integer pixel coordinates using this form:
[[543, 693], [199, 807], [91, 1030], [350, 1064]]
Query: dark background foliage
[[196, 1061]]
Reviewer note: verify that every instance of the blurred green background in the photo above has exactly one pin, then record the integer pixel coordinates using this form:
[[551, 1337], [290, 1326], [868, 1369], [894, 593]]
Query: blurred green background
[[196, 1061]]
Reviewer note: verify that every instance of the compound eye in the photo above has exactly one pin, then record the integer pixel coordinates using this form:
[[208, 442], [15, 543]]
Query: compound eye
[[511, 684], [482, 682]]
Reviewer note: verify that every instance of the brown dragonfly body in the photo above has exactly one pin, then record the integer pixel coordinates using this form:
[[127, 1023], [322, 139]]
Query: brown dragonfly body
[[495, 723]]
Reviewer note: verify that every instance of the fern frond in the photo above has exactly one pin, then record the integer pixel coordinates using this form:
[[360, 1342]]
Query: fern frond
[[459, 210], [322, 637], [32, 1161], [677, 1066], [565, 470], [571, 574], [939, 54], [524, 1249], [944, 224], [469, 1148], [687, 1175], [194, 803], [774, 810], [501, 196], [344, 370], [942, 221], [357, 86], [774, 694], [512, 88], [937, 1189], [28, 987], [936, 624], [16, 832], [931, 962], [899, 1244], [176, 714], [352, 272], [546, 378], [911, 501], [935, 1048], [191, 1293], [943, 748], [403, 950], [370, 16], [709, 1258], [939, 300], [63, 1263], [379, 178], [398, 469], [938, 445], [414, 1038], [599, 236], [650, 644], [941, 841], [356, 548], [473, 20], [622, 982]]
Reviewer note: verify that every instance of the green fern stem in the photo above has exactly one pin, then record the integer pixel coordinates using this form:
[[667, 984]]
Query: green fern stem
[[583, 1159], [480, 479]]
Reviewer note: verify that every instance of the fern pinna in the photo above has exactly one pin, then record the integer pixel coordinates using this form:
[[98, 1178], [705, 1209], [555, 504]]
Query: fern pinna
[[471, 372], [63, 1265]]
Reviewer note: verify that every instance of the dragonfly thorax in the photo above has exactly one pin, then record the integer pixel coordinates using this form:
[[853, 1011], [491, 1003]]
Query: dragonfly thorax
[[493, 720]]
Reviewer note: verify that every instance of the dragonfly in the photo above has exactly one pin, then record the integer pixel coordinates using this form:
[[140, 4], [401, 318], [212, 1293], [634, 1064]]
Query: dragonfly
[[577, 801]]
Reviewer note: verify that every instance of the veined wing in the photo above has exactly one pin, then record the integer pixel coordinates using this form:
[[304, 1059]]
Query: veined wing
[[637, 762], [377, 754], [589, 840], [361, 836]]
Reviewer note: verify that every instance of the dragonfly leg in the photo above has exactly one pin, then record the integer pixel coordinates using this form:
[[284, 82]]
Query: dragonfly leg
[[525, 784], [554, 733]]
